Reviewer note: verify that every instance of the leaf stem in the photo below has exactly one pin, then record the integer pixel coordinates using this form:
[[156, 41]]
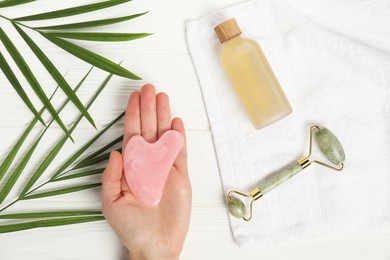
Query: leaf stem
[[31, 191], [25, 195], [39, 186], [19, 23], [9, 205]]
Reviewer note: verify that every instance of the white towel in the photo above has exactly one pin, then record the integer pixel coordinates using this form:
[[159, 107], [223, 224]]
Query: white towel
[[332, 58]]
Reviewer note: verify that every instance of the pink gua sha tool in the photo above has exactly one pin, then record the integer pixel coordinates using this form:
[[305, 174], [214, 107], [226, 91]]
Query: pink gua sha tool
[[147, 165]]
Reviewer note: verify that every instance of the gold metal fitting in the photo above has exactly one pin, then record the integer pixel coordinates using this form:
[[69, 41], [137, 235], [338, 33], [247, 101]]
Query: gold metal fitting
[[255, 194], [305, 161]]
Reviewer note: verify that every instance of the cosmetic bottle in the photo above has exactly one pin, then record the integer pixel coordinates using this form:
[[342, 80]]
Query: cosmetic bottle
[[251, 76]]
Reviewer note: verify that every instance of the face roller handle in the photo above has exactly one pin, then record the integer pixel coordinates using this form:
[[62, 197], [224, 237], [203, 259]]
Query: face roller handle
[[237, 207], [328, 144]]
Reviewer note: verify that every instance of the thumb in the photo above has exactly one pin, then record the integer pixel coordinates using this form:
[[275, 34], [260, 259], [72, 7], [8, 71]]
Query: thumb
[[111, 180]]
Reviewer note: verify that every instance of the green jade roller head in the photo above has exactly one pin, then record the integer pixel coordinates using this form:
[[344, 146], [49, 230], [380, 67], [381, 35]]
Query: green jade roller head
[[329, 145]]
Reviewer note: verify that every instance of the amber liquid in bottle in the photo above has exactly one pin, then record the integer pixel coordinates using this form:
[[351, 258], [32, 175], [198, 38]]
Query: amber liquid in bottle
[[252, 77]]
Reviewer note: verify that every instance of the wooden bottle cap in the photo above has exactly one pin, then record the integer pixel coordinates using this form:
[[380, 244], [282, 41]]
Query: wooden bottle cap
[[227, 30]]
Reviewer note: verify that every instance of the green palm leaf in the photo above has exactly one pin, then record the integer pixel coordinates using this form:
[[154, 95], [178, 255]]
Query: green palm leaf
[[57, 217], [91, 160], [14, 176], [90, 24], [87, 160], [8, 3], [60, 172], [55, 37], [15, 149], [55, 74], [49, 214], [24, 68], [81, 174], [76, 155], [18, 170], [91, 57], [72, 11], [19, 89], [57, 148], [102, 37], [61, 191], [48, 223], [94, 160]]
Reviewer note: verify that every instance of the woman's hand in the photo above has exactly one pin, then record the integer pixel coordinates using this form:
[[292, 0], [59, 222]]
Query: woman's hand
[[149, 232]]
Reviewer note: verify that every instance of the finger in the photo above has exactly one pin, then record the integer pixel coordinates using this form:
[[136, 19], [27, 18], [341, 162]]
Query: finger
[[124, 186], [111, 180], [181, 159], [163, 113], [148, 113], [132, 119]]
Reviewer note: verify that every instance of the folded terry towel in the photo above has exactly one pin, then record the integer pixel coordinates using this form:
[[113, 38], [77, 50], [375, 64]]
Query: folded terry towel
[[332, 58]]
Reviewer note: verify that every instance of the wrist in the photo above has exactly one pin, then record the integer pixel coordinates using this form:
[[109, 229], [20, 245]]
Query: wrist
[[151, 256]]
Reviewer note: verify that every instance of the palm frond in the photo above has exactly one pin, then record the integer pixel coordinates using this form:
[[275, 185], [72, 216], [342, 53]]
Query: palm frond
[[101, 37], [90, 24], [61, 191], [18, 88], [78, 165], [18, 170], [15, 149], [48, 223], [55, 74], [62, 170], [90, 57], [80, 174], [63, 174], [87, 161], [57, 148], [49, 214], [26, 71], [72, 11], [14, 176], [97, 159], [8, 3], [55, 35]]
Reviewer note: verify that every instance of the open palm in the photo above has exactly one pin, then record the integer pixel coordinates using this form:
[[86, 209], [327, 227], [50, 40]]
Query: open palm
[[149, 232]]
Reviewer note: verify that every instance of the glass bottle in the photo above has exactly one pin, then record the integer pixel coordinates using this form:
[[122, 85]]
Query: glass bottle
[[251, 75]]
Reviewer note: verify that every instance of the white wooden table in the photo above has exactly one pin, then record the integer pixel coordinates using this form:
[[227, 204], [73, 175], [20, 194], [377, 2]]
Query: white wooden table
[[162, 59]]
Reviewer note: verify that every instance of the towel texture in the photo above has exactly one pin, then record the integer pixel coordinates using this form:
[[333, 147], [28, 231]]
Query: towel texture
[[332, 59]]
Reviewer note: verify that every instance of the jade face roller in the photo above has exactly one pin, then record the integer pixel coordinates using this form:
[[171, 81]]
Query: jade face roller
[[329, 146]]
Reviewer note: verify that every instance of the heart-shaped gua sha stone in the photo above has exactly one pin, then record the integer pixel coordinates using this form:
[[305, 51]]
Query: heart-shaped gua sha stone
[[147, 165]]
